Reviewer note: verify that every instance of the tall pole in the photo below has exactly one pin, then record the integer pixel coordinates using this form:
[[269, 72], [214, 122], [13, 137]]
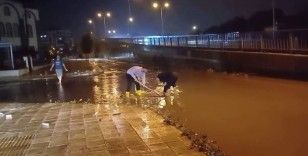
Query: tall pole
[[274, 17], [27, 40], [162, 21], [130, 16], [105, 27]]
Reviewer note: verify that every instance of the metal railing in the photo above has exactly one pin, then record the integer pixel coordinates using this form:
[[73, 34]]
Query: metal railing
[[280, 41]]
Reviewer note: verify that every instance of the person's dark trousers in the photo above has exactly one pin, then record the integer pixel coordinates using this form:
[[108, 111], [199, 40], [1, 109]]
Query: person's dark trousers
[[130, 82]]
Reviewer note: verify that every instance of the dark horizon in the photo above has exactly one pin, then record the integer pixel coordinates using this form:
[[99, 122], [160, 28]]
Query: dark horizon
[[73, 14]]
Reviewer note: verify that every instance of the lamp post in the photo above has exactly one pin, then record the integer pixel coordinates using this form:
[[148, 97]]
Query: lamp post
[[166, 5], [274, 18], [130, 18], [104, 16], [91, 23]]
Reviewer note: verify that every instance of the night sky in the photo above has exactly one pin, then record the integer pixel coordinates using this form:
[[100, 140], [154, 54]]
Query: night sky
[[73, 14]]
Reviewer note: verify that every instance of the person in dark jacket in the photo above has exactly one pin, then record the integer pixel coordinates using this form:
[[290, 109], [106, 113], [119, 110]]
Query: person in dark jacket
[[168, 78]]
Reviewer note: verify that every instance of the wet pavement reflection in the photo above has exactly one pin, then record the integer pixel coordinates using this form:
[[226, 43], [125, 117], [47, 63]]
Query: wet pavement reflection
[[86, 115], [246, 115]]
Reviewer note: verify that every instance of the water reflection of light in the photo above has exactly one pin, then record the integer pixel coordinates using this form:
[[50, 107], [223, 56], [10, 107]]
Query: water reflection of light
[[96, 79], [61, 94], [105, 86], [97, 91], [114, 84], [162, 103], [107, 106], [146, 131], [97, 110]]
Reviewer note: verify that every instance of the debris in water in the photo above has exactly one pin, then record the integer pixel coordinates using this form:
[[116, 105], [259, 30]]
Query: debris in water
[[117, 113], [45, 125], [199, 142], [9, 117]]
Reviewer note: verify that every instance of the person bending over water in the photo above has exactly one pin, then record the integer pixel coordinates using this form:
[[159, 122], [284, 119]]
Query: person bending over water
[[58, 64], [169, 80], [135, 76]]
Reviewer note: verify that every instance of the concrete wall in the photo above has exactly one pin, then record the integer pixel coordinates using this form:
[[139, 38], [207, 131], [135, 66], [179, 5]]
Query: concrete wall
[[286, 65], [13, 73], [19, 72]]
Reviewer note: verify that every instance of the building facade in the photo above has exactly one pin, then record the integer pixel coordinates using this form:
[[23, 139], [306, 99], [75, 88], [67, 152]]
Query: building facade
[[18, 27]]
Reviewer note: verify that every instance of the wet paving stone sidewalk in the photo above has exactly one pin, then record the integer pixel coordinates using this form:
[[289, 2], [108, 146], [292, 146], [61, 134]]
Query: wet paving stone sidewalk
[[87, 129]]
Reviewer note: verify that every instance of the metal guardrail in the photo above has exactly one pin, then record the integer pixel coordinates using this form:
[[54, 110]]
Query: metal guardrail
[[285, 41]]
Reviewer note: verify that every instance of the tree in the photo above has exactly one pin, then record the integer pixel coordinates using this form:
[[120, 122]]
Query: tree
[[87, 44], [256, 22]]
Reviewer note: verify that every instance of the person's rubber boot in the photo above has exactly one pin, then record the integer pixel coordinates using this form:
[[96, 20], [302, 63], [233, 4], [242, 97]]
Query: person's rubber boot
[[138, 92], [127, 94]]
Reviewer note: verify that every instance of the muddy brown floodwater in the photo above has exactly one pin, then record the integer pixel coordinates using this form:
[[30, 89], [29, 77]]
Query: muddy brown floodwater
[[246, 115]]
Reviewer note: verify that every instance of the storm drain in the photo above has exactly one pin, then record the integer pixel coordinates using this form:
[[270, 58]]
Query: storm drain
[[15, 145]]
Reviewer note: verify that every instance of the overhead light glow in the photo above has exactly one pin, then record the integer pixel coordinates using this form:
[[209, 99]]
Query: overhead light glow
[[155, 5]]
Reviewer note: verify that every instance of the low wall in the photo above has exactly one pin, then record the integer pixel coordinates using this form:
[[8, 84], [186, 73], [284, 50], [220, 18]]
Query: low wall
[[13, 73], [288, 65], [19, 72]]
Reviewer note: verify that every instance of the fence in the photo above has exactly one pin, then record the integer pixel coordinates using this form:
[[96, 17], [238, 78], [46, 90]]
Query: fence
[[280, 41]]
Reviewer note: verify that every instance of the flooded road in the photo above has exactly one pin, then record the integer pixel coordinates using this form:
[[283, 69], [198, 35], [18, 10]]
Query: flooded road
[[246, 115]]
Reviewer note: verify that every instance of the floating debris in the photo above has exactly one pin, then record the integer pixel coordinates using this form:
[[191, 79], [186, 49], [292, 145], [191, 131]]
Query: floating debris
[[45, 125], [9, 117], [199, 142], [118, 113], [203, 144]]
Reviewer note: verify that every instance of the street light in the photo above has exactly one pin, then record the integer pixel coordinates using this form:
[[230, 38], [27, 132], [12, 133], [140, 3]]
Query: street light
[[194, 27], [131, 19], [99, 15], [108, 14], [104, 15], [166, 5], [155, 5], [91, 22], [112, 31]]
